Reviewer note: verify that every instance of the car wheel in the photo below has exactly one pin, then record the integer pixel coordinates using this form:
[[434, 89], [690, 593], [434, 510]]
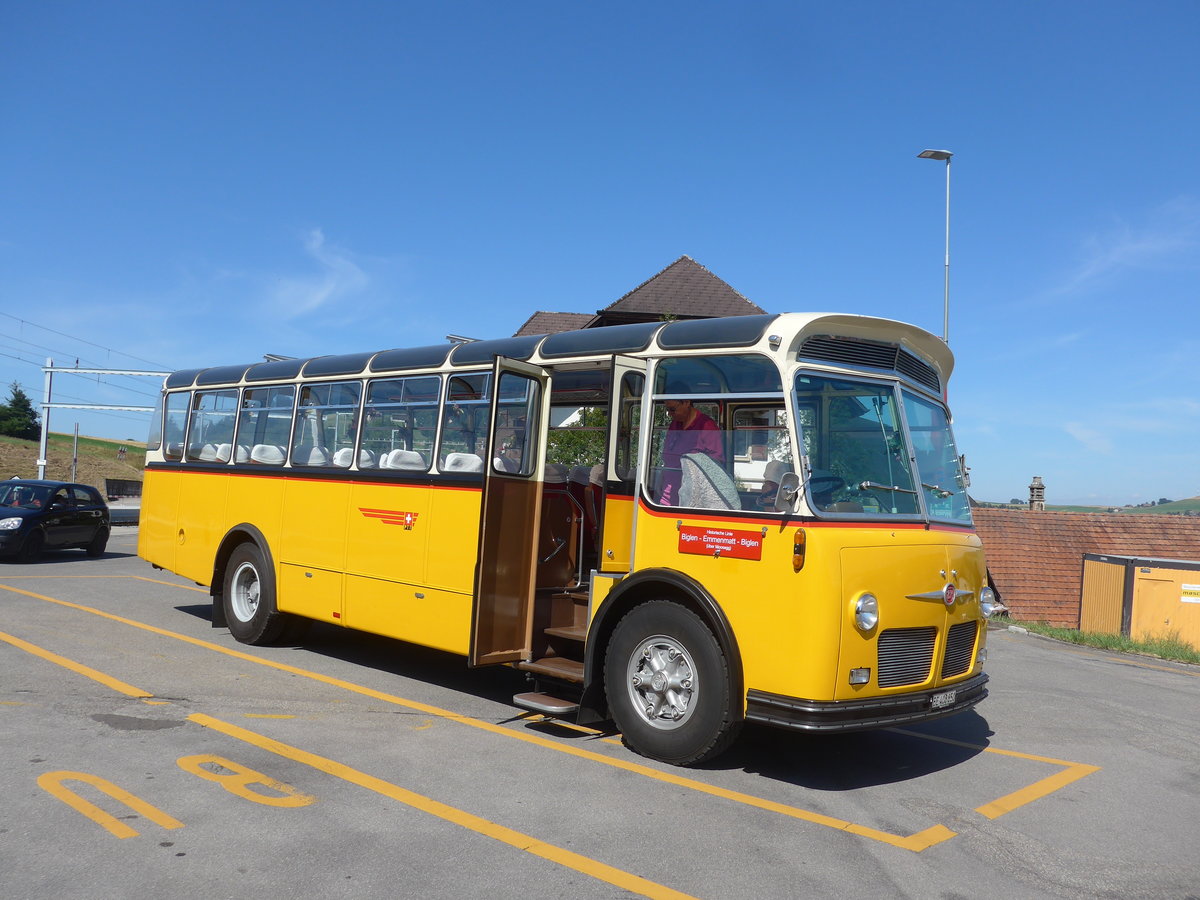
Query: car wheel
[[248, 597], [97, 544], [31, 550], [668, 685]]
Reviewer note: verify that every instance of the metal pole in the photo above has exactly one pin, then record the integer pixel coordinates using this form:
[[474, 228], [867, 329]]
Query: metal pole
[[946, 301], [75, 454], [41, 461]]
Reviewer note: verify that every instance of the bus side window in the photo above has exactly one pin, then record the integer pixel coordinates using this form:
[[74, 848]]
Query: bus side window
[[265, 425], [175, 424], [326, 423], [399, 423], [465, 417], [210, 426]]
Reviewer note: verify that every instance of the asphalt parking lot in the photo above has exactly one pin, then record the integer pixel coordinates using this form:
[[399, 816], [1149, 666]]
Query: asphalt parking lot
[[151, 755]]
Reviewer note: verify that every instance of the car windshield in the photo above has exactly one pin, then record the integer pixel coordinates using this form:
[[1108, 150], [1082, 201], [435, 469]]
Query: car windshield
[[23, 496]]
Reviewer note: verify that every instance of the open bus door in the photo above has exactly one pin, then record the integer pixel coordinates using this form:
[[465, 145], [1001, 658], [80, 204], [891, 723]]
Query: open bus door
[[514, 469], [624, 435]]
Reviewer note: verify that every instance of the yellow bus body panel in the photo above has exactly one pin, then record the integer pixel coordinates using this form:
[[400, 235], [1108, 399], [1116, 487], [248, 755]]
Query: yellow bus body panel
[[157, 517], [795, 630], [616, 539]]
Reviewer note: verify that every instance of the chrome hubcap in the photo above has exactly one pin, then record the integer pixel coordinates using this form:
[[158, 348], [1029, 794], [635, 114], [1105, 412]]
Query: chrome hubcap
[[244, 592], [662, 682]]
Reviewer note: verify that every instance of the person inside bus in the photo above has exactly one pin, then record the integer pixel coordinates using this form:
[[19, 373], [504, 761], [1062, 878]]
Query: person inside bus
[[772, 475], [690, 431]]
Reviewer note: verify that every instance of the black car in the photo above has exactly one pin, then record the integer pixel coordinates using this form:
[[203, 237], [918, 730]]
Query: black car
[[53, 515]]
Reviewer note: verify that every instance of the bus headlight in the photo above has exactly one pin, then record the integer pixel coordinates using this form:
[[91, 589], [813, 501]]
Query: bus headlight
[[12, 523], [866, 612], [987, 602]]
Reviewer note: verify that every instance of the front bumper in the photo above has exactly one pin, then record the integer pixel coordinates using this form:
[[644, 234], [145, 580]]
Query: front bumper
[[10, 542], [860, 715]]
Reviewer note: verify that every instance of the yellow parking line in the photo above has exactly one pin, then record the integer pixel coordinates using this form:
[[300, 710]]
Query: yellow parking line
[[79, 668], [917, 842], [1072, 771], [528, 844], [579, 863], [185, 587]]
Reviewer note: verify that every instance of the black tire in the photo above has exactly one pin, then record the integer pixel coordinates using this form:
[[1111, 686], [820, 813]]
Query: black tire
[[31, 549], [668, 685], [248, 597], [97, 544]]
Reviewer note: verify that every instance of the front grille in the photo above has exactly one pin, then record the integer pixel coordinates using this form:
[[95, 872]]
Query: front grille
[[960, 642], [871, 354], [905, 655]]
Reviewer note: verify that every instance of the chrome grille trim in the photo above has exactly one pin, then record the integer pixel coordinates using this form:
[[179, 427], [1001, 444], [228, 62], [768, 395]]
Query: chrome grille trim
[[960, 646], [905, 656]]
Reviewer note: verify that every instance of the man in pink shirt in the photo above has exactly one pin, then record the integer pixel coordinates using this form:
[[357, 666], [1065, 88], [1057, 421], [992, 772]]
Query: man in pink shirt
[[690, 431]]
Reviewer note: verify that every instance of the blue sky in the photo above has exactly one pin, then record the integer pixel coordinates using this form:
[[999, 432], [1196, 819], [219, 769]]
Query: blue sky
[[188, 184]]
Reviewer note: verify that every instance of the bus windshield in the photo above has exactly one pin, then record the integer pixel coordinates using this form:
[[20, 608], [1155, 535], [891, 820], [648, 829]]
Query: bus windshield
[[855, 444], [862, 457], [942, 480]]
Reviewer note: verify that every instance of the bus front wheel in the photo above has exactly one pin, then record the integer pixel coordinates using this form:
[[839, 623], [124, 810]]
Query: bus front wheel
[[249, 597], [668, 685]]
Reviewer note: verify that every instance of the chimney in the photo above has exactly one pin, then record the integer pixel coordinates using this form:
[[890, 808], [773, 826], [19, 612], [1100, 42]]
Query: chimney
[[1037, 494]]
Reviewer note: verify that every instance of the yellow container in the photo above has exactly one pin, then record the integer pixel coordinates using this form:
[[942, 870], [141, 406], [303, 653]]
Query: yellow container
[[1141, 598]]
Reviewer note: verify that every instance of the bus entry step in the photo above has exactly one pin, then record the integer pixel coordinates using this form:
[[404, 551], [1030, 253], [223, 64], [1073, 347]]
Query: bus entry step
[[545, 704]]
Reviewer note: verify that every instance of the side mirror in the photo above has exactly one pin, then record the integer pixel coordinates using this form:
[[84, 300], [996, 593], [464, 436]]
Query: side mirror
[[789, 490]]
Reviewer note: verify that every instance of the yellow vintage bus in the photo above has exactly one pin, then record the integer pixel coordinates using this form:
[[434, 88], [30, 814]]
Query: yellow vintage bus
[[678, 527]]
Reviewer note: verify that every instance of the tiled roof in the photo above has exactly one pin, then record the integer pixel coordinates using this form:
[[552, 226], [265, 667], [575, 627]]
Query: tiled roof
[[685, 289], [554, 322], [1036, 558]]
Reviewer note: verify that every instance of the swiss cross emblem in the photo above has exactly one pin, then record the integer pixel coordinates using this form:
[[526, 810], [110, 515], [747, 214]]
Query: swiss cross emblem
[[392, 517]]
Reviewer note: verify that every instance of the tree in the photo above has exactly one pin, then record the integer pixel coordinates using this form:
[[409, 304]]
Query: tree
[[579, 441], [18, 418]]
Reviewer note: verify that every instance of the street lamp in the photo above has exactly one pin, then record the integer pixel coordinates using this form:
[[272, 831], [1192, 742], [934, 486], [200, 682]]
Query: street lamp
[[944, 154]]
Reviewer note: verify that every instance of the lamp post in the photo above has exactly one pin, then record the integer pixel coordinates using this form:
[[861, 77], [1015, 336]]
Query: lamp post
[[944, 154]]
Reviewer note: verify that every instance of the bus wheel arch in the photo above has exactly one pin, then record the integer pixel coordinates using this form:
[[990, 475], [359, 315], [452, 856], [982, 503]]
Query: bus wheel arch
[[244, 588], [666, 615]]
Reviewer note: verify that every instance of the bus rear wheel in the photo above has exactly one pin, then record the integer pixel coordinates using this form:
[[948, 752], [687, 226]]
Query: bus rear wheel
[[249, 597], [668, 685]]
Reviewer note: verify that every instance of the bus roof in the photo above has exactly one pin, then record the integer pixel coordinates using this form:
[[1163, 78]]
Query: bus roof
[[828, 338]]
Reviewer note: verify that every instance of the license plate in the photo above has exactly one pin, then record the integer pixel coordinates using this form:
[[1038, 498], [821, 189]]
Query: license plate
[[942, 700]]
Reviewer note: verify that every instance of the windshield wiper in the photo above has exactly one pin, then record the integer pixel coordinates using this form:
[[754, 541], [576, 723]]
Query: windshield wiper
[[938, 491], [876, 486]]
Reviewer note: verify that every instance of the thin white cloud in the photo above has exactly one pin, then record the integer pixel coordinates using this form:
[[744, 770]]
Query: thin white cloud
[[1093, 440], [338, 277], [1168, 239]]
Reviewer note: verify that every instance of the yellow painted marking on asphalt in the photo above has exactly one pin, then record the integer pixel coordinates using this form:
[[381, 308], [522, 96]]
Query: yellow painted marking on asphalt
[[52, 783], [915, 842], [157, 702], [528, 844], [78, 668], [1072, 771], [242, 781], [538, 719], [185, 587], [1035, 791]]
